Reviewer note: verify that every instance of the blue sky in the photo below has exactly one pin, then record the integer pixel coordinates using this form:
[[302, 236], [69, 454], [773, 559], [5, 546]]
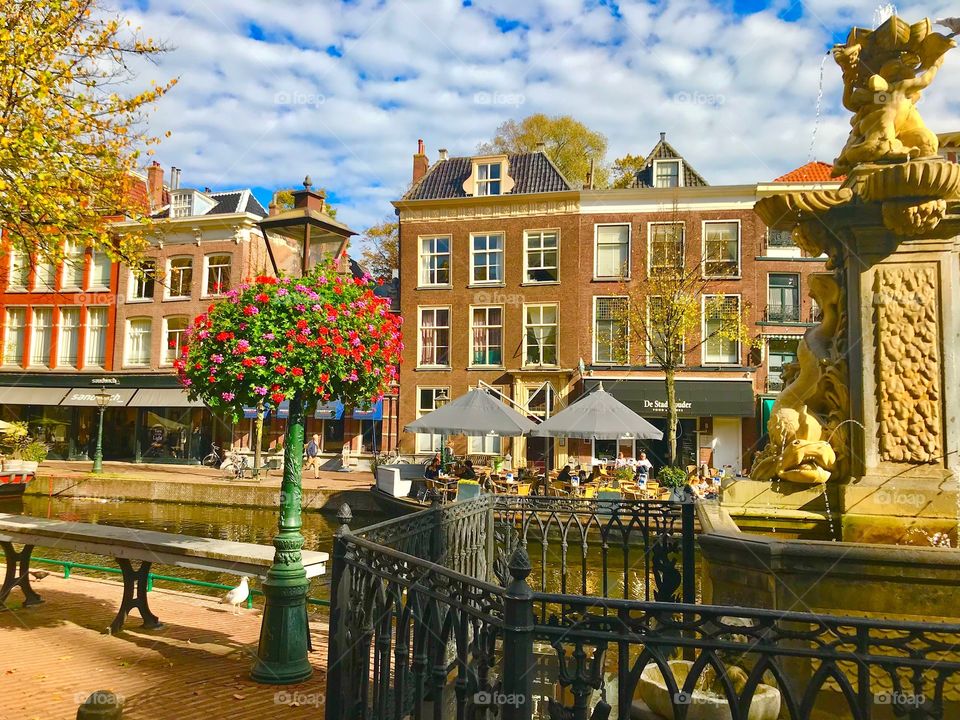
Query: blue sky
[[342, 90]]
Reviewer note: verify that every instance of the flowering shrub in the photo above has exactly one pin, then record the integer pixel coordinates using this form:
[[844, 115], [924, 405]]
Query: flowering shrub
[[325, 336]]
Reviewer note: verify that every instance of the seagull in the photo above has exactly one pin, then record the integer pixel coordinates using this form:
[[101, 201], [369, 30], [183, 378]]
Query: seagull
[[238, 595], [952, 24]]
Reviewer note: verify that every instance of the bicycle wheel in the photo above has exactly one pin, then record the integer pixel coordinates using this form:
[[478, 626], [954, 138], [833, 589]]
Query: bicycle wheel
[[210, 460], [229, 470]]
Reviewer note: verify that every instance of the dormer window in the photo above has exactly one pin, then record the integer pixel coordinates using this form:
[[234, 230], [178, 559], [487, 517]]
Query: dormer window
[[488, 179], [186, 202], [666, 173]]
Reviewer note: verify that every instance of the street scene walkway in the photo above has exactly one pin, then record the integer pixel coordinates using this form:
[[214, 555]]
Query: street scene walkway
[[195, 667]]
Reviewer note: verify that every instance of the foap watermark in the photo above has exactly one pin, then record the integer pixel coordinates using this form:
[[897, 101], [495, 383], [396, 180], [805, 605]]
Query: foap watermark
[[98, 698], [90, 297], [898, 699], [900, 498], [495, 297], [700, 98], [499, 98], [299, 699], [499, 699], [688, 698], [299, 98]]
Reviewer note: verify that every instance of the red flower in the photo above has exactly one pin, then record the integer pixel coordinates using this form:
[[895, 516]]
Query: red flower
[[222, 336], [240, 376], [248, 362], [297, 371], [278, 398], [324, 377], [262, 297], [301, 324], [197, 366], [280, 370], [266, 280]]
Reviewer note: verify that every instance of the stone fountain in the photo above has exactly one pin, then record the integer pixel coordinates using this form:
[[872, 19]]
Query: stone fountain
[[864, 437]]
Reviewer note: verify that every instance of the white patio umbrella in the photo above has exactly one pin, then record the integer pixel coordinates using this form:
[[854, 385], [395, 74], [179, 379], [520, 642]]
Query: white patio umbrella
[[475, 414], [598, 416]]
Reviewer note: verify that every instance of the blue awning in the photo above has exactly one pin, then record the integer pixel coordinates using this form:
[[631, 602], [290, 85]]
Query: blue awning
[[332, 410], [283, 410], [250, 413], [374, 413]]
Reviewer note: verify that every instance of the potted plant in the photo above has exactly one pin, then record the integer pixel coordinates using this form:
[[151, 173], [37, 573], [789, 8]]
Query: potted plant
[[674, 478], [622, 475], [16, 437], [34, 453], [497, 463]]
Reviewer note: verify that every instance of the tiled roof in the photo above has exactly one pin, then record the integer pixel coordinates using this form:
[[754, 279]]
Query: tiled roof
[[236, 201], [665, 151], [815, 171], [531, 173]]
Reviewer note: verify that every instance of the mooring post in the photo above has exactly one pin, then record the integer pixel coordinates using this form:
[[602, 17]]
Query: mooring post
[[101, 705]]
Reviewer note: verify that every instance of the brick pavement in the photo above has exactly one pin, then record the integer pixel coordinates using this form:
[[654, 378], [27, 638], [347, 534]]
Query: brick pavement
[[195, 667]]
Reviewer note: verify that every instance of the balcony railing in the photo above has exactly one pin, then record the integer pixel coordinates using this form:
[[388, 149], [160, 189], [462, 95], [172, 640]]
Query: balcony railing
[[782, 313]]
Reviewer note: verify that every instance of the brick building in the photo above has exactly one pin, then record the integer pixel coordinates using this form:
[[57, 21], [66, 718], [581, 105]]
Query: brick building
[[509, 276]]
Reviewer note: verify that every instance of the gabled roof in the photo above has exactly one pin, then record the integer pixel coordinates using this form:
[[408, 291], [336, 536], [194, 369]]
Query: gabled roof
[[815, 171], [531, 173], [236, 201], [665, 151]]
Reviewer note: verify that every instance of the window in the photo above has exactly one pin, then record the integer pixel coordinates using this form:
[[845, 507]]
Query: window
[[218, 274], [41, 336], [95, 347], [19, 270], [658, 334], [435, 336], [435, 261], [721, 314], [612, 251], [540, 334], [68, 340], [486, 336], [176, 338], [100, 270], [780, 238], [486, 258], [780, 351], [610, 342], [721, 249], [666, 247], [783, 297], [541, 400], [139, 334], [542, 256], [666, 173], [46, 277], [13, 337], [427, 402], [488, 179], [73, 265], [488, 444], [181, 277], [141, 286]]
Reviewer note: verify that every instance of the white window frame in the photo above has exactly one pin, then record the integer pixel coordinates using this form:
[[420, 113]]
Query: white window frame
[[596, 253], [127, 359], [423, 271], [703, 249], [501, 253], [135, 283], [449, 327], [24, 271], [73, 254], [703, 329], [62, 360], [166, 358], [525, 363], [596, 358], [88, 343], [683, 241], [168, 287], [526, 255], [488, 308], [433, 445], [92, 276], [206, 273], [18, 362], [651, 360], [483, 184], [672, 161], [45, 277], [33, 335]]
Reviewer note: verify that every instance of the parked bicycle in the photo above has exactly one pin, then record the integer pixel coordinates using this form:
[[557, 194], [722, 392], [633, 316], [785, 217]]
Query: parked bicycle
[[215, 458], [235, 466]]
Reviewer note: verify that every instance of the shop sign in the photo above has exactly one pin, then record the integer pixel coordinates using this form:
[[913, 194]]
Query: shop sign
[[105, 381], [661, 405]]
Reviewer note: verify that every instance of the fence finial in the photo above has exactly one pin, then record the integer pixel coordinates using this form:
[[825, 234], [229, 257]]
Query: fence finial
[[344, 515], [519, 563]]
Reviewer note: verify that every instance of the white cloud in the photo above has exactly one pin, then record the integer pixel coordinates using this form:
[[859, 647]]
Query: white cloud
[[736, 95]]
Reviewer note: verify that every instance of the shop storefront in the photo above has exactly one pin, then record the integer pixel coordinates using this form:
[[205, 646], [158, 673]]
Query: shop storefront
[[711, 427]]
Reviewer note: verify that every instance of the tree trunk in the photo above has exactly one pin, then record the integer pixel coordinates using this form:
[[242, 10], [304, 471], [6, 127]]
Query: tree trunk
[[258, 439], [671, 415]]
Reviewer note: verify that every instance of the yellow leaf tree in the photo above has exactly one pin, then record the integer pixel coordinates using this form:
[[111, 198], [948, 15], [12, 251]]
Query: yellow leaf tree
[[71, 129], [381, 251]]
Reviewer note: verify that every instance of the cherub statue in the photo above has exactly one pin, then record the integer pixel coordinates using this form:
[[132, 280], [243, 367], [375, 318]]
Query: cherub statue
[[884, 72]]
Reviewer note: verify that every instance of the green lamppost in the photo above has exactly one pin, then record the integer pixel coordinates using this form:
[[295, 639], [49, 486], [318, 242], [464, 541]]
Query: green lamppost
[[103, 399]]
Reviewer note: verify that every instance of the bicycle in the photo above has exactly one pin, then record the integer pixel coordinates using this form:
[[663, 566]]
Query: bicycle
[[215, 458], [235, 466]]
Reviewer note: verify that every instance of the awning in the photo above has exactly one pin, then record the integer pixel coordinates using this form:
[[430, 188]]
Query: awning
[[695, 398], [250, 413], [20, 395], [87, 397], [332, 410], [374, 413], [158, 398]]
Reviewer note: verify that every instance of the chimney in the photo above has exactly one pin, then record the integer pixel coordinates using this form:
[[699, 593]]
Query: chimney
[[174, 178], [443, 154], [663, 136], [541, 147], [420, 163], [590, 173], [272, 209], [309, 198], [155, 185]]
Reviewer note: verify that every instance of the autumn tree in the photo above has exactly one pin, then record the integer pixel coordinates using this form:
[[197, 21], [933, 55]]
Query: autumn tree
[[625, 170], [569, 143], [679, 310], [284, 201], [71, 130], [381, 252]]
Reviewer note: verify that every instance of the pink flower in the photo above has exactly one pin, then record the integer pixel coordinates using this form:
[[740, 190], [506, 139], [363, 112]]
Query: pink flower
[[228, 396], [260, 390], [260, 360], [187, 382], [217, 358], [251, 310], [268, 336], [352, 377], [243, 345], [282, 291], [203, 334]]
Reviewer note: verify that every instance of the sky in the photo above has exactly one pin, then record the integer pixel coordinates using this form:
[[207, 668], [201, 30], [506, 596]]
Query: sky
[[342, 89]]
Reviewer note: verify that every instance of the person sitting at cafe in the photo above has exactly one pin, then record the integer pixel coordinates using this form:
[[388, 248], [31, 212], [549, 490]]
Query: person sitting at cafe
[[433, 469], [467, 473], [709, 489], [564, 475]]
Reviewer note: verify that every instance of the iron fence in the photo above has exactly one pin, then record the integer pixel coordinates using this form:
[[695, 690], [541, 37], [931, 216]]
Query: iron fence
[[442, 614]]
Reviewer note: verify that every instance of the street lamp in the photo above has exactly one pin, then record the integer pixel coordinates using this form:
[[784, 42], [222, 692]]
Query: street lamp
[[439, 400], [103, 399]]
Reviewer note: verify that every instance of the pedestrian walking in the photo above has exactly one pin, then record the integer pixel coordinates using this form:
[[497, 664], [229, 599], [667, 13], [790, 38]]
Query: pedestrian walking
[[313, 455]]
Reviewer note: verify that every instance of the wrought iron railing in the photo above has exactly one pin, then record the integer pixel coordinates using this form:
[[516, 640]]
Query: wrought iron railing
[[429, 621]]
